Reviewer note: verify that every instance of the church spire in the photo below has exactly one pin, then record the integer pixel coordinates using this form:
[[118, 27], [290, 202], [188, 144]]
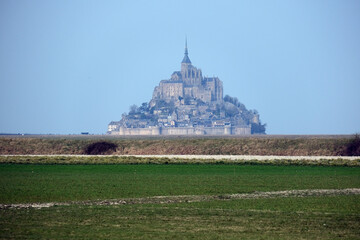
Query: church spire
[[186, 58]]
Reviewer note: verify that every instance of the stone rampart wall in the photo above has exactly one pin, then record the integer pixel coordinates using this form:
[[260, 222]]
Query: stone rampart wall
[[156, 131], [138, 131]]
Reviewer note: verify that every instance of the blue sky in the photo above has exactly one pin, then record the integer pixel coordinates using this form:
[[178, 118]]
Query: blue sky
[[73, 66]]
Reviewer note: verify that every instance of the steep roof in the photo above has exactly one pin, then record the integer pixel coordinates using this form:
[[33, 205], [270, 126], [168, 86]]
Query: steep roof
[[186, 58]]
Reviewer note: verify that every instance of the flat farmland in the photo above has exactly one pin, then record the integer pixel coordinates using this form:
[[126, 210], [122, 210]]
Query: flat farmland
[[181, 201], [259, 187], [206, 145], [48, 183]]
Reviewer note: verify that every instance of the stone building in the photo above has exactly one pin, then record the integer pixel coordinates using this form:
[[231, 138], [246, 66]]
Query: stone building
[[189, 104], [189, 84]]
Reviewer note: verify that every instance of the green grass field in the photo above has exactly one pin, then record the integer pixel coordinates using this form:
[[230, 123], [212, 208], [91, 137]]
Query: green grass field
[[284, 218], [47, 183], [315, 217]]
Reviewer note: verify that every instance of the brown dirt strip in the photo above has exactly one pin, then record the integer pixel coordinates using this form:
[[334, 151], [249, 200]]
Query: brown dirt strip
[[353, 161], [192, 198], [192, 157]]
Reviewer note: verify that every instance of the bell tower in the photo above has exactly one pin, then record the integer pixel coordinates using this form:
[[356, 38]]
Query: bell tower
[[186, 60], [191, 76]]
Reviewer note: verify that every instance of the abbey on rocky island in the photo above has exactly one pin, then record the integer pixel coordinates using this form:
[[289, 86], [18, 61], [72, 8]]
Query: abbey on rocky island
[[189, 104]]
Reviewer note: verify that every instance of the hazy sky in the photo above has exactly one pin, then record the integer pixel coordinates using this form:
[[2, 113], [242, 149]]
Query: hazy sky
[[74, 66]]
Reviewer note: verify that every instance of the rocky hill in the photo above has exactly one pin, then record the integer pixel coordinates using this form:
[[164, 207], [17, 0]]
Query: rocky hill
[[189, 104]]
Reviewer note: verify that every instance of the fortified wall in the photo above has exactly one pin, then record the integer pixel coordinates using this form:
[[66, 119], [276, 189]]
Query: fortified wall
[[156, 131]]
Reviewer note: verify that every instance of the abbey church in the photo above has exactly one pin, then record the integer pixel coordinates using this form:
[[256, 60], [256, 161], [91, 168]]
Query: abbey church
[[189, 104], [189, 83]]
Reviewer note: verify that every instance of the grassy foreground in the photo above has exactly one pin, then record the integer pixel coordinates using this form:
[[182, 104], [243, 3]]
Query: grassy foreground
[[321, 217], [284, 218], [48, 183]]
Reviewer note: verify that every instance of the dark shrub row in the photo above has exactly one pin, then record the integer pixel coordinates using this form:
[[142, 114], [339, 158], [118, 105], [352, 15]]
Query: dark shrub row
[[98, 148]]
